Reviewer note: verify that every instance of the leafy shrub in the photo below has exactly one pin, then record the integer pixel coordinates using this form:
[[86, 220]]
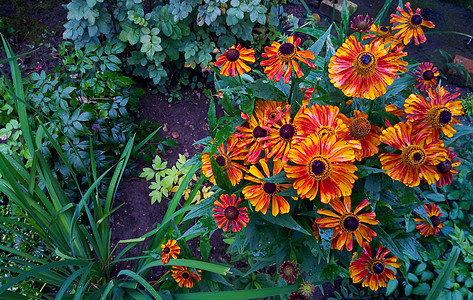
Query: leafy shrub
[[162, 36]]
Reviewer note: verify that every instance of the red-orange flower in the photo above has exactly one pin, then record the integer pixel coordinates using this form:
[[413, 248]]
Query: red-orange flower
[[433, 212], [364, 70], [226, 157], [289, 271], [347, 224], [427, 76], [228, 213], [373, 271], [382, 34], [255, 133], [446, 170], [419, 154], [233, 61], [392, 108], [261, 194], [409, 25], [366, 134], [280, 135], [322, 163], [282, 55], [437, 114], [361, 24], [183, 276], [169, 249]]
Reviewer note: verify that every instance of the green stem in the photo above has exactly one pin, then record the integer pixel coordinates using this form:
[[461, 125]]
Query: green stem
[[309, 12]]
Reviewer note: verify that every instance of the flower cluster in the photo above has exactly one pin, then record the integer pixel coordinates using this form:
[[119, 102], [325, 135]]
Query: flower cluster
[[181, 274], [315, 149]]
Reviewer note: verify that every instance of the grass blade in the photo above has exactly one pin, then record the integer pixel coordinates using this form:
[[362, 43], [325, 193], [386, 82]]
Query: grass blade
[[235, 295], [142, 281], [439, 283]]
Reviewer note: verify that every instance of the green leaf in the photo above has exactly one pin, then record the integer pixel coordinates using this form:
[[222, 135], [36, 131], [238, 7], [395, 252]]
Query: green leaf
[[317, 46], [220, 175], [278, 178], [266, 91], [289, 192], [142, 281], [235, 295], [247, 104], [285, 220], [386, 240], [204, 247], [364, 171], [383, 12], [422, 289], [212, 117], [444, 275], [392, 286]]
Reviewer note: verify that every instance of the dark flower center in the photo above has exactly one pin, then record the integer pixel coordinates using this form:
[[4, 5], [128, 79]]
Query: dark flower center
[[231, 213], [382, 28], [286, 48], [166, 250], [269, 188], [416, 19], [233, 55], [365, 59], [362, 25], [444, 167], [359, 128], [220, 160], [445, 117], [185, 275], [318, 167], [288, 270], [428, 75], [378, 268], [287, 131], [417, 156], [259, 132], [351, 223], [435, 221]]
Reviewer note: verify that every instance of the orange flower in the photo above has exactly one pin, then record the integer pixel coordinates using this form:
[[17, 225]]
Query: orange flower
[[233, 61], [226, 158], [437, 113], [183, 276], [315, 229], [433, 213], [321, 120], [364, 70], [255, 133], [427, 76], [282, 55], [169, 249], [446, 170], [409, 25], [380, 33], [325, 162], [347, 224], [420, 153], [366, 134], [228, 213], [281, 135], [392, 108], [373, 271], [261, 194]]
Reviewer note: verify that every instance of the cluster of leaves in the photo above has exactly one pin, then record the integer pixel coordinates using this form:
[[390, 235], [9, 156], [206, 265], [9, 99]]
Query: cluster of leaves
[[165, 36]]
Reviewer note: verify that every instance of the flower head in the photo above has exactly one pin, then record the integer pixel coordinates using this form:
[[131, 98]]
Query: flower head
[[437, 114], [281, 135], [228, 213], [381, 34], [183, 276], [409, 25], [361, 24], [289, 271], [446, 170], [364, 70], [262, 193], [226, 157], [282, 58], [347, 224], [255, 133], [373, 271], [427, 76], [366, 134], [307, 289], [169, 249], [433, 213], [420, 154], [322, 163], [233, 61]]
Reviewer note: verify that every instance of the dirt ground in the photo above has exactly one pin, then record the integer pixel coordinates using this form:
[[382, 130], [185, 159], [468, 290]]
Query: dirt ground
[[38, 26]]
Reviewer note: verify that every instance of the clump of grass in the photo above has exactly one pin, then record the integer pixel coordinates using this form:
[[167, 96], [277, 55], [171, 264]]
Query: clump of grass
[[467, 103]]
